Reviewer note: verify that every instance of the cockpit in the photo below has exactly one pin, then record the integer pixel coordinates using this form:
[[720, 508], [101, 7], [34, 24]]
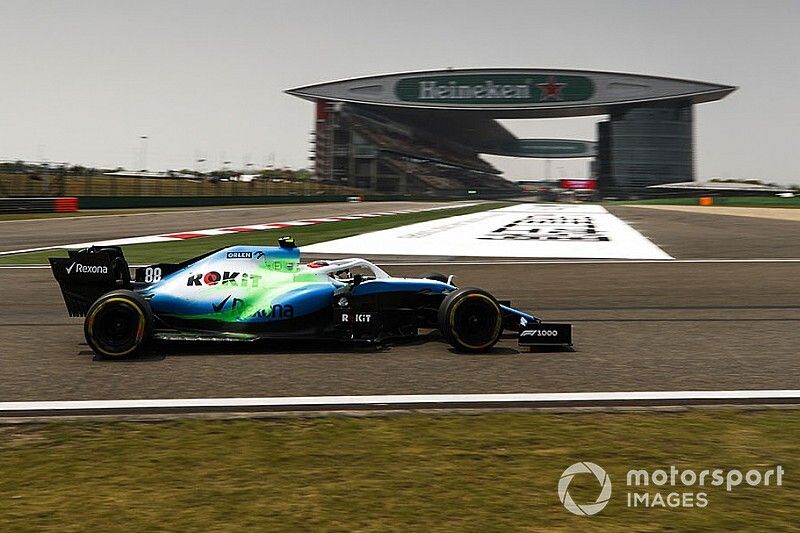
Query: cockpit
[[345, 270]]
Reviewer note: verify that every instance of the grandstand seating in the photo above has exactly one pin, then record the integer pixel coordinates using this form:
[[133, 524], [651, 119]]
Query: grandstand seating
[[432, 165]]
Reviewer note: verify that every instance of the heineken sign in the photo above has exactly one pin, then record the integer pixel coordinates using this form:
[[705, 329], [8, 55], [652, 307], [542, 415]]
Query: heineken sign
[[510, 89]]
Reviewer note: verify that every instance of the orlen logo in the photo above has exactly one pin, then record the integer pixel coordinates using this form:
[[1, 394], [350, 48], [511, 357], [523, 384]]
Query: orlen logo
[[87, 269], [226, 278], [239, 255]]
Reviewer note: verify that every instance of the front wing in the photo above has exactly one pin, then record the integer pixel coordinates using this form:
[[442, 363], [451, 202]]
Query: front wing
[[546, 335]]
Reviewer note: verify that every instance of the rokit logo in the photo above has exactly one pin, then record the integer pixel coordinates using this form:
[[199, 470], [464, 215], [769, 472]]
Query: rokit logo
[[356, 318], [87, 269], [226, 278]]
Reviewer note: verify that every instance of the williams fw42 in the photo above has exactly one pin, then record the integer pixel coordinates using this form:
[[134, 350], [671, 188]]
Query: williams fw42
[[248, 293]]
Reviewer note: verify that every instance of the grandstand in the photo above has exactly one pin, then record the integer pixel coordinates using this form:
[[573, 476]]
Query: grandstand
[[360, 148]]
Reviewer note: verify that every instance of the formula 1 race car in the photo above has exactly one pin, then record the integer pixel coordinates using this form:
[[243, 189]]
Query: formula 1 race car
[[247, 293]]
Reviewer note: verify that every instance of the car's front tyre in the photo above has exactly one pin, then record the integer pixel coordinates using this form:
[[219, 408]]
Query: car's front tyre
[[118, 324], [471, 320]]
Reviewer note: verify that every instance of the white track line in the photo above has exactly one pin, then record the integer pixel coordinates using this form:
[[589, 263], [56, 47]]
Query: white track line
[[531, 262], [29, 250], [400, 400], [590, 262]]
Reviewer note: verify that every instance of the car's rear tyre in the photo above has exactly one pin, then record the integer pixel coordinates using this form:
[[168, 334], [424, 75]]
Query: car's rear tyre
[[118, 324], [471, 320]]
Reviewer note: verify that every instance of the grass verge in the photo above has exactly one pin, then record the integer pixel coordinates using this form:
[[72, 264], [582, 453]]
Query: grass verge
[[417, 472], [304, 235], [727, 201]]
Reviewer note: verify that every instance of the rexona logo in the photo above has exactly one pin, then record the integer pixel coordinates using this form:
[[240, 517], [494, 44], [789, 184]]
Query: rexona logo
[[495, 89], [226, 278], [87, 269]]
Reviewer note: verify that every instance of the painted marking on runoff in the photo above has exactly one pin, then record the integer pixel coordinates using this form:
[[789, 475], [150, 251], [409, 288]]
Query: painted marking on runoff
[[520, 231], [530, 262], [576, 399], [194, 234]]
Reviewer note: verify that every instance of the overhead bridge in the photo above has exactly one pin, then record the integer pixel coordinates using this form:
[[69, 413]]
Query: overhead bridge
[[425, 131]]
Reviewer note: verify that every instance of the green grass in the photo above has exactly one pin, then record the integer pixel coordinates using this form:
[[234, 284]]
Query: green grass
[[417, 472], [304, 235], [728, 201]]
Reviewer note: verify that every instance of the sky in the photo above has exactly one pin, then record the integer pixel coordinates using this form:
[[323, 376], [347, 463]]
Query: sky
[[83, 80]]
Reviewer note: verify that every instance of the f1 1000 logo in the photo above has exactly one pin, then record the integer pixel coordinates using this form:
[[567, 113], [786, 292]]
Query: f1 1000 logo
[[226, 278], [539, 333]]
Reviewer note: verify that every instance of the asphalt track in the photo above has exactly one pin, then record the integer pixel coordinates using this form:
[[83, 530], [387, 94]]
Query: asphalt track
[[35, 233], [638, 327]]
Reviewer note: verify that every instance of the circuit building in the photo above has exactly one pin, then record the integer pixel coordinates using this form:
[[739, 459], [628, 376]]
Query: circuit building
[[425, 132]]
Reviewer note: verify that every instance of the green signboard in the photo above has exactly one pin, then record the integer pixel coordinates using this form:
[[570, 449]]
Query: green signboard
[[550, 148], [510, 89]]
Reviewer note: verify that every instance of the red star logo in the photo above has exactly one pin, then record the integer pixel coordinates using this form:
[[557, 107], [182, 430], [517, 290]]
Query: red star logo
[[551, 90]]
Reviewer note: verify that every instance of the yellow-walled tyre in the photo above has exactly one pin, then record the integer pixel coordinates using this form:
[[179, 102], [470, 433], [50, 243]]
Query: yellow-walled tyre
[[471, 320], [118, 324]]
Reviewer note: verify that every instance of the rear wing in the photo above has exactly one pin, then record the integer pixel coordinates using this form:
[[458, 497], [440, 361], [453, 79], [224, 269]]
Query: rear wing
[[87, 274]]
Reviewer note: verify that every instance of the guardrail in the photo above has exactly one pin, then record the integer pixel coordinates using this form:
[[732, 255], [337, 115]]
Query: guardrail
[[36, 186], [55, 204], [110, 192]]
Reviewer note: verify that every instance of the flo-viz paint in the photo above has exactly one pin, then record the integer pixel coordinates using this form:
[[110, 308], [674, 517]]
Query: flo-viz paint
[[243, 284]]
